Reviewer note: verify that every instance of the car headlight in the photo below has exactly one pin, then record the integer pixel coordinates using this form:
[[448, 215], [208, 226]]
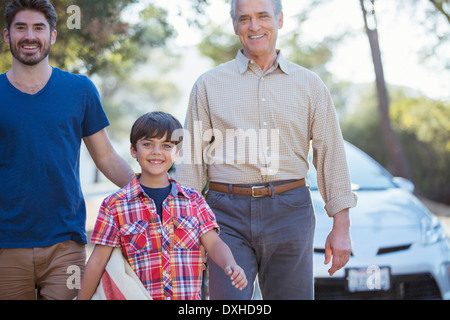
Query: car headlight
[[432, 230]]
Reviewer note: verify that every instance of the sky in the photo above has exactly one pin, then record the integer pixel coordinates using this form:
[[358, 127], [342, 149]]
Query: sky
[[401, 38]]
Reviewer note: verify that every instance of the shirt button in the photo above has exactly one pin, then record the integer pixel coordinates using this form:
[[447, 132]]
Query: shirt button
[[263, 99], [264, 123]]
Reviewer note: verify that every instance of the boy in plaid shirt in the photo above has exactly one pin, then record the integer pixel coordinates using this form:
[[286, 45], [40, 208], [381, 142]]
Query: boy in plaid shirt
[[159, 223]]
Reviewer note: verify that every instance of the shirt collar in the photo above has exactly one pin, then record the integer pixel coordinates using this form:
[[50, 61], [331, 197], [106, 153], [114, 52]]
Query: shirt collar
[[243, 62], [134, 189]]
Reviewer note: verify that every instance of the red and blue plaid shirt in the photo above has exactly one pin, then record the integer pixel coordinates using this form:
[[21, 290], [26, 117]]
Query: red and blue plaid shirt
[[164, 254]]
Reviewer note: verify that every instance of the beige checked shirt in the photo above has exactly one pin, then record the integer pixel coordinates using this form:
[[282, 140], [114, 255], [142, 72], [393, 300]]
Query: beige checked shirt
[[248, 127]]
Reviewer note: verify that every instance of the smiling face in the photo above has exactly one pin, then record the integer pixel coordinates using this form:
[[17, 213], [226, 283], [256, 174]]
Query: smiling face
[[257, 27], [155, 156], [30, 37]]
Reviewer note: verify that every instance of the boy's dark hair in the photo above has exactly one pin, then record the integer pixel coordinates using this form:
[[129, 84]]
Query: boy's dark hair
[[43, 6], [156, 125]]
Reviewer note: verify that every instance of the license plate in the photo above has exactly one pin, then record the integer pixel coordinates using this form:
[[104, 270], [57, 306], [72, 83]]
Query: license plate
[[372, 278]]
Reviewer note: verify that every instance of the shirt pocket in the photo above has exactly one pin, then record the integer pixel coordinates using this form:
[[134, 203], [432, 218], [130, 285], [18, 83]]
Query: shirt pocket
[[134, 237], [186, 232]]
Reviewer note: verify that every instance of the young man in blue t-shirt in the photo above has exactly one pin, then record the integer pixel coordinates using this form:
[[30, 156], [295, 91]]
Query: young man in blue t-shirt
[[44, 114]]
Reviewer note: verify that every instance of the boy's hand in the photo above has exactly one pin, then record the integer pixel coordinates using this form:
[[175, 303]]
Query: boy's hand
[[237, 276]]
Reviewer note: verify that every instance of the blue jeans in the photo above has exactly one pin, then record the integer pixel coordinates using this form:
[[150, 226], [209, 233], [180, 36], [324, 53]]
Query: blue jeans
[[271, 237]]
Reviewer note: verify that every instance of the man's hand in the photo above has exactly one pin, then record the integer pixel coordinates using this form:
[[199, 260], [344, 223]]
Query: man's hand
[[338, 242]]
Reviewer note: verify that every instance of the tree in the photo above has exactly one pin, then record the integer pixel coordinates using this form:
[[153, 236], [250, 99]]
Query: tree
[[433, 16], [93, 36], [393, 145], [443, 6], [219, 45], [423, 125]]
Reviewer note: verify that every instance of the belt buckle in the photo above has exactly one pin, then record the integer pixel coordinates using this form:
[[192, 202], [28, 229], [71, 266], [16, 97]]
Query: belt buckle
[[253, 191]]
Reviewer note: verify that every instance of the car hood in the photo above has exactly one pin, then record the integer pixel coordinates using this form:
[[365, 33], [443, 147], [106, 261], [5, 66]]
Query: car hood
[[380, 209], [382, 219]]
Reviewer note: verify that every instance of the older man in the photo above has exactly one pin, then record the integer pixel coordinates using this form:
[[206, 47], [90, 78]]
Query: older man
[[256, 118]]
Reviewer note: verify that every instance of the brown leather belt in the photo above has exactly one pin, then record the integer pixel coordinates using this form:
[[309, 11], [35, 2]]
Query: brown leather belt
[[256, 191]]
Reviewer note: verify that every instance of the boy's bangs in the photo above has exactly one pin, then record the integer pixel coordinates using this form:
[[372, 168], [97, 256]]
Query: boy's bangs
[[161, 128], [156, 125]]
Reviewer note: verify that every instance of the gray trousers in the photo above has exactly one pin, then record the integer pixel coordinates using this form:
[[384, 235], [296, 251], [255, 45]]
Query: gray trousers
[[271, 237]]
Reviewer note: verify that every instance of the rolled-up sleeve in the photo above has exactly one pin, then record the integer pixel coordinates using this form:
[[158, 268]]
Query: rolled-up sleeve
[[191, 168], [329, 159], [105, 230]]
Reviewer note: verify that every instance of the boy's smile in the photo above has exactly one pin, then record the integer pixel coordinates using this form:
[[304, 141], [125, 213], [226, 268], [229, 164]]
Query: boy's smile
[[155, 157]]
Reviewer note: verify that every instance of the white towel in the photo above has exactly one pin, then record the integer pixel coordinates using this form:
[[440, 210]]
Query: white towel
[[119, 281]]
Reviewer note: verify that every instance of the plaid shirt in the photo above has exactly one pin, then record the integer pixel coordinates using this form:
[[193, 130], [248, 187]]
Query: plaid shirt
[[165, 255], [282, 113]]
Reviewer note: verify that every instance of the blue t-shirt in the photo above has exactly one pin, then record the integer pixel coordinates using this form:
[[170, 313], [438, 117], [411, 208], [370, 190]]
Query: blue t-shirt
[[158, 195], [41, 202]]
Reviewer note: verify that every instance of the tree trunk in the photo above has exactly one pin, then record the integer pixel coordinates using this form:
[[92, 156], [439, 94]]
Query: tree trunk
[[393, 145]]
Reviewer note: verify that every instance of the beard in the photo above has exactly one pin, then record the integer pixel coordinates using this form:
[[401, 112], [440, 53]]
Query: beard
[[29, 59]]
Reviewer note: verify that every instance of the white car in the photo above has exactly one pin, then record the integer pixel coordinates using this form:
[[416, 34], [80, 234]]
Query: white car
[[399, 249]]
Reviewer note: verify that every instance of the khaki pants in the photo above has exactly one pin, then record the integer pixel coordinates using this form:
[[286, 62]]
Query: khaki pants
[[47, 273]]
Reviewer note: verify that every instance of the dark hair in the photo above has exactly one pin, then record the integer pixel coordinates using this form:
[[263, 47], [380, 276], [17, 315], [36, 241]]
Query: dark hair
[[43, 6], [156, 125]]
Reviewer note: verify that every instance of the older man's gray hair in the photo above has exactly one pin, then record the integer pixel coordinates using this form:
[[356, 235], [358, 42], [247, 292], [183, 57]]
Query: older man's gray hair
[[278, 7]]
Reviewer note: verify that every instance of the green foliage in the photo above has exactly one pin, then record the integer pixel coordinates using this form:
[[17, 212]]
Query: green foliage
[[423, 126], [429, 166], [315, 57], [105, 42], [361, 126], [132, 97], [219, 45], [428, 119], [108, 47]]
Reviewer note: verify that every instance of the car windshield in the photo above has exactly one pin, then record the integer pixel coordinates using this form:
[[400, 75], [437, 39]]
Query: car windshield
[[365, 172]]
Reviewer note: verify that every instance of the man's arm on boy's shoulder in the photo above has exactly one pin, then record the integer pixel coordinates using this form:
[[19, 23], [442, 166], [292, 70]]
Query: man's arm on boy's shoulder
[[94, 271], [113, 166]]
